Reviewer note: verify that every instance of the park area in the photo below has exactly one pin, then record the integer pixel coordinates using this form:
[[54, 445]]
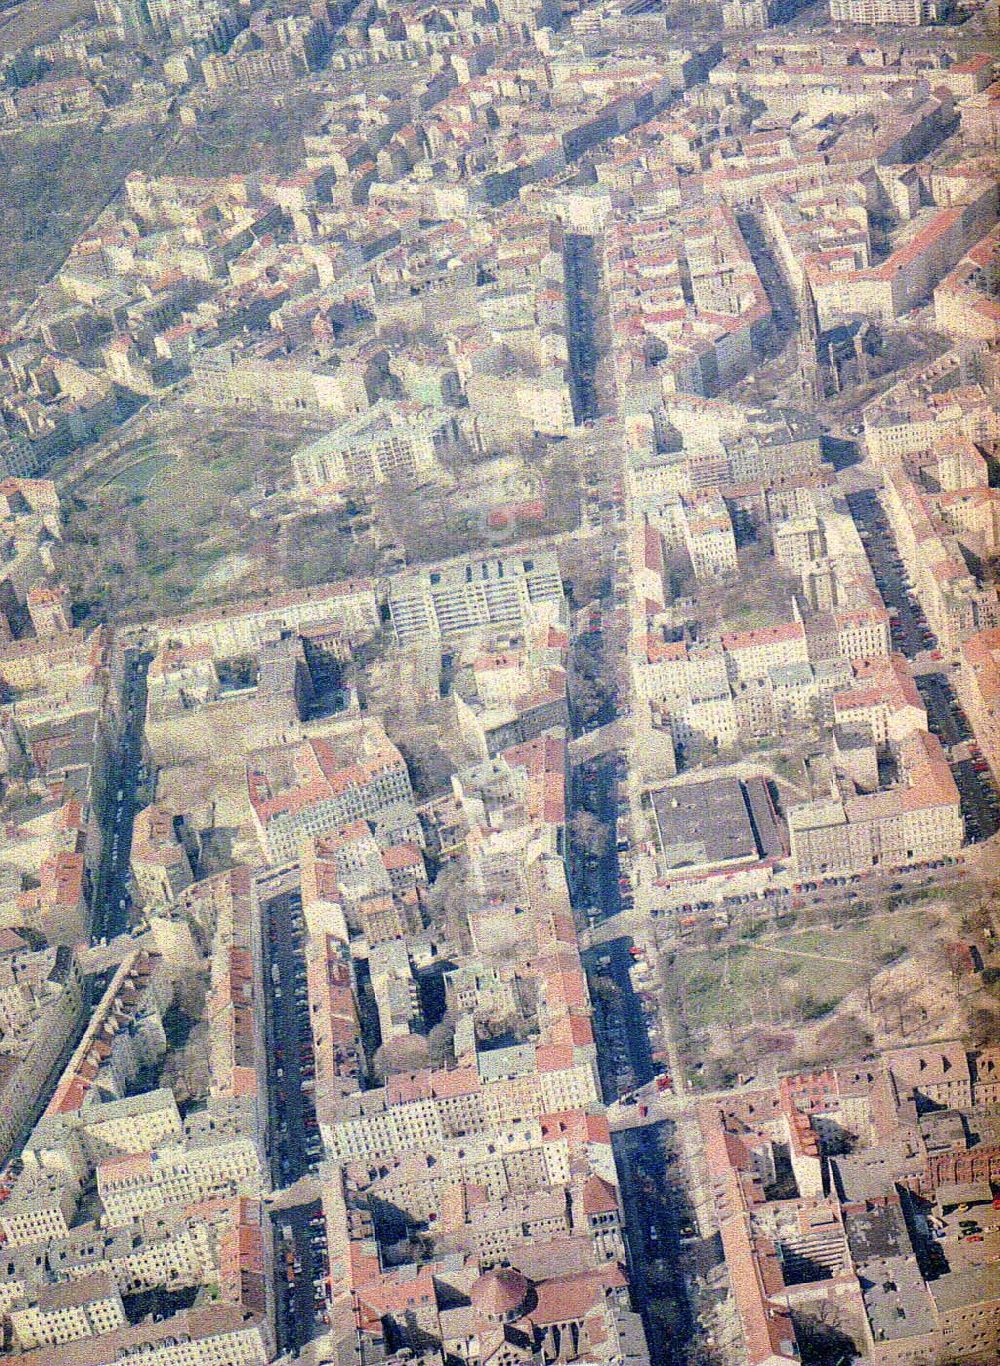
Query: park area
[[816, 995], [194, 505]]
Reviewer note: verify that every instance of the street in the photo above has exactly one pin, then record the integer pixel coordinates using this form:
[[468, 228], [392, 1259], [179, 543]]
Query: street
[[913, 637], [653, 1198], [655, 1208], [581, 288], [302, 1275], [295, 1144], [111, 897], [980, 801], [595, 789], [910, 633], [627, 1030], [622, 1025]]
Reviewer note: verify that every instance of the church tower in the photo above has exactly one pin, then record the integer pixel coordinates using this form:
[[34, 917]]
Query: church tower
[[810, 375]]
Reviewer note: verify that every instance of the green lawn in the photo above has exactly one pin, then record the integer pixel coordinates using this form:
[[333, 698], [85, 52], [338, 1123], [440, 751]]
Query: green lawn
[[38, 21], [138, 477], [775, 980], [180, 498]]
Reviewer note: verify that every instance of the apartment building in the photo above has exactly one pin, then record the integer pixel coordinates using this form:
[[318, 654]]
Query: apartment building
[[853, 831], [394, 987], [29, 527], [269, 379], [981, 117], [124, 1034], [212, 21], [677, 669], [158, 860], [979, 690], [68, 1312], [862, 633], [939, 1073], [78, 1139], [946, 519], [701, 524], [243, 627], [751, 654], [430, 1107], [216, 1335], [41, 1206], [895, 12], [435, 604], [50, 609], [392, 442], [65, 660], [41, 1009], [738, 14], [542, 404], [928, 247], [333, 1015], [159, 1250], [225, 1165], [915, 418], [964, 302], [311, 788], [853, 1237]]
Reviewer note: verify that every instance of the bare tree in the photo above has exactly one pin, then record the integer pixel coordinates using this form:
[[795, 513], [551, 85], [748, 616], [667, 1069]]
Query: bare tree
[[590, 834], [441, 1041], [984, 1027], [406, 1054]]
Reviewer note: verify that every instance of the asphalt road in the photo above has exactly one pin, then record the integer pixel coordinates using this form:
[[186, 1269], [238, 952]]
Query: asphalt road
[[945, 718], [980, 801], [913, 638], [910, 633], [595, 788], [581, 291], [782, 306], [294, 1132], [295, 1144], [112, 898], [623, 1025], [654, 1203], [302, 1275]]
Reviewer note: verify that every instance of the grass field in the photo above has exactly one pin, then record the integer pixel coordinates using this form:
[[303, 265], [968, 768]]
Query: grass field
[[248, 134], [180, 499], [137, 478], [795, 977]]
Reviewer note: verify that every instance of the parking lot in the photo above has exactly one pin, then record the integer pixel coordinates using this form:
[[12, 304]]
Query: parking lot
[[113, 900], [980, 801], [911, 635], [296, 1146], [303, 1275]]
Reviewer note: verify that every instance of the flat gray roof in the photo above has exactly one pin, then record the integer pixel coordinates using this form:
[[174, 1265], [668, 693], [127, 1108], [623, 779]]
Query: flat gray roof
[[700, 824]]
